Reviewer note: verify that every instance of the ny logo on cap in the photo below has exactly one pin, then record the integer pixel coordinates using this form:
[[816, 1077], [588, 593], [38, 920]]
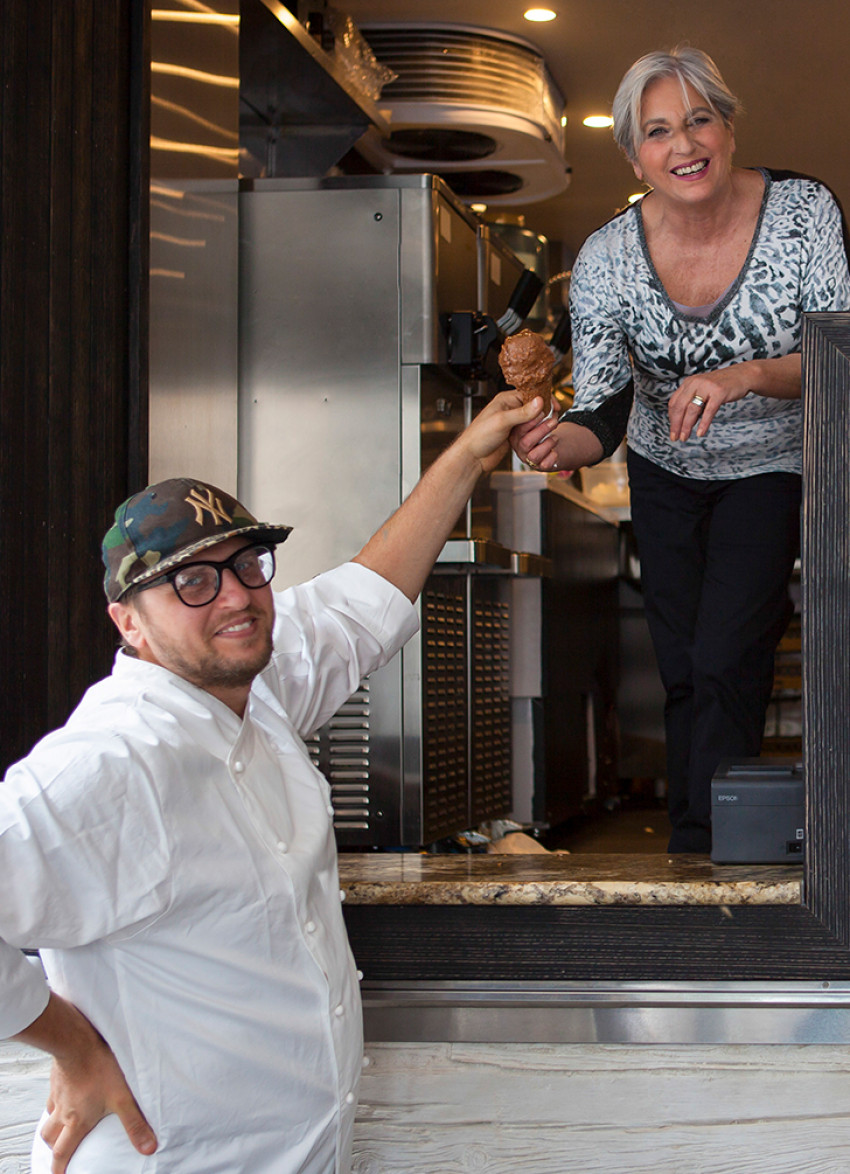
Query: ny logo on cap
[[204, 499]]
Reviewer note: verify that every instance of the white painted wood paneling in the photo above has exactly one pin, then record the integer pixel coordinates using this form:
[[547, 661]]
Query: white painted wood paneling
[[565, 1109], [589, 1109], [24, 1075]]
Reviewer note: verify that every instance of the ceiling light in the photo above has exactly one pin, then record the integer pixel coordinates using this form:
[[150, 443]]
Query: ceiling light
[[635, 196], [600, 120], [194, 17], [539, 14]]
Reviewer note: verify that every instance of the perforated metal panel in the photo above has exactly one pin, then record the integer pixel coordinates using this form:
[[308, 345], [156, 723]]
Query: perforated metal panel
[[445, 698], [341, 750], [457, 732], [490, 708]]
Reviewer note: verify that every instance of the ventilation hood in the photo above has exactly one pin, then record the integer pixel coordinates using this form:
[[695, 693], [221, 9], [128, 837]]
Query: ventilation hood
[[476, 107]]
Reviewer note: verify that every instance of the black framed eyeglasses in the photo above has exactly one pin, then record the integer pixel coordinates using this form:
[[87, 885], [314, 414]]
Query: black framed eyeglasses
[[197, 584]]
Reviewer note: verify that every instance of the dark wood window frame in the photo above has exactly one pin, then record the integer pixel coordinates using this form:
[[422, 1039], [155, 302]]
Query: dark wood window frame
[[51, 478], [805, 941], [73, 345]]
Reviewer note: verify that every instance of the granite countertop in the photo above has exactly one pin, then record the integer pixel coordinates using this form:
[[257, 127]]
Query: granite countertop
[[411, 878]]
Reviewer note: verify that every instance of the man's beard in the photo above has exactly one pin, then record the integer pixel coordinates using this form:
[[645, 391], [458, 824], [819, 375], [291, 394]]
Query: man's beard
[[209, 671], [213, 673]]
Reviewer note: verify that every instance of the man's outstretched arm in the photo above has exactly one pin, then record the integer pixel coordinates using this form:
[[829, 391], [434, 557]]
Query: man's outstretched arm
[[407, 545]]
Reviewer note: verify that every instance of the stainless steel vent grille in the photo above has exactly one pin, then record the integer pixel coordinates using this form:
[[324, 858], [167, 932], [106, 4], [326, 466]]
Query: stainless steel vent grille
[[490, 717], [445, 703], [444, 64], [341, 751], [478, 109]]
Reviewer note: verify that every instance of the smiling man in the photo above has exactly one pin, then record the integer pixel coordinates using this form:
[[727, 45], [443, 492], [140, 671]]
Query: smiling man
[[170, 850]]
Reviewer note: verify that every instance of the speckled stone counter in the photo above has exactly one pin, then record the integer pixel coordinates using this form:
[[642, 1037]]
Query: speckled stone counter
[[551, 879]]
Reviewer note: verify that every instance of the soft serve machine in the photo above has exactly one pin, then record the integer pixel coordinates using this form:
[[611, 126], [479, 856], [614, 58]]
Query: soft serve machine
[[365, 306], [315, 342]]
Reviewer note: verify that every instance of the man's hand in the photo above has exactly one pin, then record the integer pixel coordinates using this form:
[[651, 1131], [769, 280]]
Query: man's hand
[[86, 1083], [486, 437]]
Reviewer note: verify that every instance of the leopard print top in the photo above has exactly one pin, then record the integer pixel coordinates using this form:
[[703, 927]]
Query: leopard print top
[[626, 328]]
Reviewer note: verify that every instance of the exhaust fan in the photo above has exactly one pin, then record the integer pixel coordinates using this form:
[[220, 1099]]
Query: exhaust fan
[[477, 108]]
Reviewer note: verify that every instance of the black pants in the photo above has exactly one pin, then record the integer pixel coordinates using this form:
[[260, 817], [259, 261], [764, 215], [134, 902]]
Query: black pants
[[716, 558]]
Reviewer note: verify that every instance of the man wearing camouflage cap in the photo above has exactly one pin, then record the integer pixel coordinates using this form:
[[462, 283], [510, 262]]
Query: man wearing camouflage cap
[[170, 850]]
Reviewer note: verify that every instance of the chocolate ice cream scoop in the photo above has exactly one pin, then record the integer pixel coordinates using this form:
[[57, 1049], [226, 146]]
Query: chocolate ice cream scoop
[[527, 363]]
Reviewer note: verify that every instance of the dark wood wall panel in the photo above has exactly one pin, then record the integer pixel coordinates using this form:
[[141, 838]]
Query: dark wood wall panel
[[610, 943], [72, 419], [801, 942], [826, 618]]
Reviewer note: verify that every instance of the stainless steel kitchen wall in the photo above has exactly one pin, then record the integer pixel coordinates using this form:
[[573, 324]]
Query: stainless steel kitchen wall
[[345, 395], [193, 243], [297, 357]]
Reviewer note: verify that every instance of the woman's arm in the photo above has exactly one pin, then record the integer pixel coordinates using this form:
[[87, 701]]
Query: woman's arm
[[825, 286], [775, 378], [583, 436], [548, 446]]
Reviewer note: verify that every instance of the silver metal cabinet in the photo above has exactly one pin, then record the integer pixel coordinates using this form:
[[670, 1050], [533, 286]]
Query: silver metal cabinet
[[345, 397], [564, 646]]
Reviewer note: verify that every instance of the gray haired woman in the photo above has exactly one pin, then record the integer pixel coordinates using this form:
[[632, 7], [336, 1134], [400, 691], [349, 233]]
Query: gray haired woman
[[687, 315]]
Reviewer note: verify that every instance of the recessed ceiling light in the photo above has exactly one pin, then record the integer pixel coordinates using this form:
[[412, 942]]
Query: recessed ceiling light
[[600, 120], [539, 14], [194, 17], [635, 196], [563, 120]]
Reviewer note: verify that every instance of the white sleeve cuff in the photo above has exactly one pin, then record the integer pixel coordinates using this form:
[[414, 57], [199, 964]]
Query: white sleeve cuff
[[25, 992]]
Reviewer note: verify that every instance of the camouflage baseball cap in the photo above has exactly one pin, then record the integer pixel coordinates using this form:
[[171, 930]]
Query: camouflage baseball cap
[[169, 522]]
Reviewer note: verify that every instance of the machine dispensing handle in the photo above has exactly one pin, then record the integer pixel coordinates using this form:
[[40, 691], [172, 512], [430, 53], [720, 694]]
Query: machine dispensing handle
[[525, 294], [470, 349], [473, 340], [562, 335]]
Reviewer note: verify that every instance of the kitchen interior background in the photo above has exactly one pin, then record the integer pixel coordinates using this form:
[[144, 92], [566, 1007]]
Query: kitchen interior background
[[303, 276]]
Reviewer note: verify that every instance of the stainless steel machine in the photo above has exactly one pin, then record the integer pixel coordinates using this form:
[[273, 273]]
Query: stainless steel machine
[[347, 391], [315, 342]]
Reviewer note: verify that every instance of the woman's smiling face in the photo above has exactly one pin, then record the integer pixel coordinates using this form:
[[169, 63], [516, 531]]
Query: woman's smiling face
[[686, 148]]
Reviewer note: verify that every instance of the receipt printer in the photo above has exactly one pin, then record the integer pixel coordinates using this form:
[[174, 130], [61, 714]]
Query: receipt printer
[[758, 811]]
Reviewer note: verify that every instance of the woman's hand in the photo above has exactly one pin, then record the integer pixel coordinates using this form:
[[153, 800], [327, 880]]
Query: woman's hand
[[536, 445], [696, 400]]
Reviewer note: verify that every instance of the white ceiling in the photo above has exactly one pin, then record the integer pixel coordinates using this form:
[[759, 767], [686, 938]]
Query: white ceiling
[[787, 60]]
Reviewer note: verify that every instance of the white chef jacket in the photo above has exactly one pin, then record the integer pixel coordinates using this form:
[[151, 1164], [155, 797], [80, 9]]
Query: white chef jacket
[[176, 867]]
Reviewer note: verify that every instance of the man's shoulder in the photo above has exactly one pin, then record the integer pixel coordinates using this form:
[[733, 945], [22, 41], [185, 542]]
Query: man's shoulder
[[135, 704], [121, 732]]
